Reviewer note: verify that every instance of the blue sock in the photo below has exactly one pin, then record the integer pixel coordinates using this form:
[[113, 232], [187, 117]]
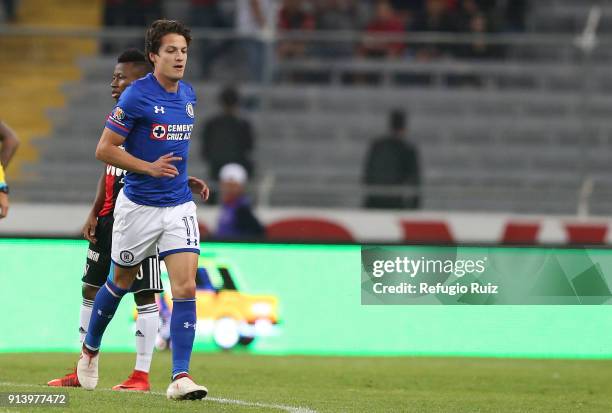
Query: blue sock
[[106, 303], [182, 333]]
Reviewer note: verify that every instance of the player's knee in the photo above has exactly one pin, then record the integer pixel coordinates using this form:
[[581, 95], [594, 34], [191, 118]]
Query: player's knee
[[89, 292], [124, 277], [144, 298], [123, 282], [186, 289]]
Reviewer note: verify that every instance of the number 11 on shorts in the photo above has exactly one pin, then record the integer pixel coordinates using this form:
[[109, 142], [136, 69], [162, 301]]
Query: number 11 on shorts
[[187, 221]]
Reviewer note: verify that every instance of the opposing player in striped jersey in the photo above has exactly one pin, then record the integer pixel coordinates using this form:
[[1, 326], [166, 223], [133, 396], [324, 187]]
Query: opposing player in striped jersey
[[98, 228]]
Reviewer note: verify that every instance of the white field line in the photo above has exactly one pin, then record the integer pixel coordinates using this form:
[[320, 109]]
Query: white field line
[[290, 409]]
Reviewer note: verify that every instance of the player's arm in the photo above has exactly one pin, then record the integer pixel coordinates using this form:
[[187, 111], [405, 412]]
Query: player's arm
[[257, 13], [100, 195], [10, 143], [89, 228], [109, 151], [198, 187], [4, 200]]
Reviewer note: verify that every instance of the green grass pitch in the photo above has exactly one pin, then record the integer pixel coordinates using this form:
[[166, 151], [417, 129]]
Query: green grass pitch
[[245, 383]]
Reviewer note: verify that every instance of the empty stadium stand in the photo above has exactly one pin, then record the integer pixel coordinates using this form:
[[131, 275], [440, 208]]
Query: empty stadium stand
[[524, 137]]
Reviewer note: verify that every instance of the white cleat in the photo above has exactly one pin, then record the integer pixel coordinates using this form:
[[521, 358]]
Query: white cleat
[[185, 389], [87, 370]]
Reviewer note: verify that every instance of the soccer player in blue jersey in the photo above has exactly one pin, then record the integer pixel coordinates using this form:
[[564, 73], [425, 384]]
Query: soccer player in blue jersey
[[131, 65], [153, 121]]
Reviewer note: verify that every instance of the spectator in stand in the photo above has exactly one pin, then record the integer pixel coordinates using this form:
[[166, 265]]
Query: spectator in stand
[[207, 14], [254, 20], [10, 11], [116, 13], [340, 15], [392, 161], [470, 9], [473, 7], [129, 13], [385, 21], [147, 11], [227, 137], [294, 15], [336, 15], [479, 49], [437, 16], [407, 9], [236, 218], [515, 13]]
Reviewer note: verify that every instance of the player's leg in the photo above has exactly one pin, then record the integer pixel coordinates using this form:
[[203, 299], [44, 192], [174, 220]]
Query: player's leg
[[165, 313], [145, 286], [181, 269], [179, 247], [89, 295], [96, 270], [135, 234], [107, 300], [104, 308]]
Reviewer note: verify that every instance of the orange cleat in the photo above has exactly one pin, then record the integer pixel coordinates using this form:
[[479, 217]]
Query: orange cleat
[[138, 381], [69, 380]]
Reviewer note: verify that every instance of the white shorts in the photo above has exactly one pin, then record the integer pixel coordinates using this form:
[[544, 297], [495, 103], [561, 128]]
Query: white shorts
[[140, 231]]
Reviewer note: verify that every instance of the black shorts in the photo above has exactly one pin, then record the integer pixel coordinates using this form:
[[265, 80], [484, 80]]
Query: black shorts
[[98, 263]]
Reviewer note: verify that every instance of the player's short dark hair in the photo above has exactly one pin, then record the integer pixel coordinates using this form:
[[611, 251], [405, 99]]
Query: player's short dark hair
[[159, 29], [132, 56], [137, 58], [397, 120], [229, 96]]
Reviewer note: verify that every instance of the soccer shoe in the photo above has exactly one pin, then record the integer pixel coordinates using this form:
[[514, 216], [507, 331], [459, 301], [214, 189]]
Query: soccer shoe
[[69, 380], [184, 388], [138, 381], [87, 369]]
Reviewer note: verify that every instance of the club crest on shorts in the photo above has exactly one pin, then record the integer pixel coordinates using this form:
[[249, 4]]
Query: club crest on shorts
[[189, 109], [126, 256]]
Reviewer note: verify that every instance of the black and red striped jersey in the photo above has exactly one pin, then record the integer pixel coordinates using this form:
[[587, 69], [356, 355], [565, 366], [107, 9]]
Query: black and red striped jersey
[[113, 182]]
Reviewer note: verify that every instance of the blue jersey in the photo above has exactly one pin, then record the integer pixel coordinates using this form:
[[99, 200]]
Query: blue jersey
[[155, 122]]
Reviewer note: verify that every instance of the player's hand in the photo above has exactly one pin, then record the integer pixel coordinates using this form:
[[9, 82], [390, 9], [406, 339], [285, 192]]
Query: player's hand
[[89, 229], [4, 205], [163, 168], [199, 187]]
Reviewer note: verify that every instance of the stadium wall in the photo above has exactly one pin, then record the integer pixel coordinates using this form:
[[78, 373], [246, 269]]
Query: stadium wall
[[63, 220]]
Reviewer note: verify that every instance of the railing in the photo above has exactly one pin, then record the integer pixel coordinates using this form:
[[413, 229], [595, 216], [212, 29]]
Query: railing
[[354, 195], [574, 55]]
